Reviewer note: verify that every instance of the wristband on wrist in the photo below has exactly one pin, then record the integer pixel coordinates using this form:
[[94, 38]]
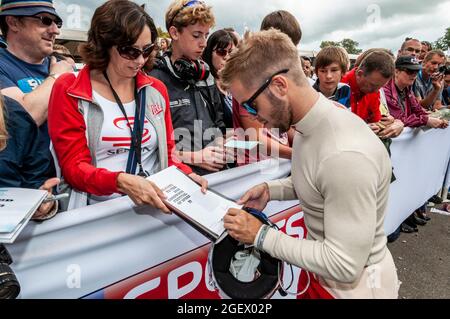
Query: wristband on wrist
[[262, 236]]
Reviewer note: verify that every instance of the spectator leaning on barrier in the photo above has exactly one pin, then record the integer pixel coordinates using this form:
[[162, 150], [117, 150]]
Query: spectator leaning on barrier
[[429, 83], [27, 72], [340, 172], [195, 103], [128, 139], [19, 144], [331, 64], [404, 106], [400, 98], [389, 126], [19, 165], [374, 68]]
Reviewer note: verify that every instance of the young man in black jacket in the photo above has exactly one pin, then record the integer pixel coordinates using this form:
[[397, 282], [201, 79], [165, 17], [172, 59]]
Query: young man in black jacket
[[195, 104]]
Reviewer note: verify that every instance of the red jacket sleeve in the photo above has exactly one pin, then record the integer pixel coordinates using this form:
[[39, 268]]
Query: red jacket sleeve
[[67, 131], [374, 107], [173, 159]]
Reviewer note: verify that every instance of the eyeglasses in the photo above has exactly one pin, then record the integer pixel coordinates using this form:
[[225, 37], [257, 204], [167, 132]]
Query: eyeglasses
[[131, 53], [248, 105], [188, 4], [47, 21], [222, 52]]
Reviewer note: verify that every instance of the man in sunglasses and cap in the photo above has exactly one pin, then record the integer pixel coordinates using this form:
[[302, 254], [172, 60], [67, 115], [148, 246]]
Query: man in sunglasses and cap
[[400, 98], [27, 70]]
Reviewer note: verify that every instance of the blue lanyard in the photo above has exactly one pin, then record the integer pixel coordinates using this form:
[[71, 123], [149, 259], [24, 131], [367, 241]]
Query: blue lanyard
[[135, 154]]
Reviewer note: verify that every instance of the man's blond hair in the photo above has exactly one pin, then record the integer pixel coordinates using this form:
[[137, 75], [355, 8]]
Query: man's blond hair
[[180, 16], [258, 56]]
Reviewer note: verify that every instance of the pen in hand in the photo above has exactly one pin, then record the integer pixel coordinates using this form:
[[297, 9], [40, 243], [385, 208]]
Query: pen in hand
[[53, 198]]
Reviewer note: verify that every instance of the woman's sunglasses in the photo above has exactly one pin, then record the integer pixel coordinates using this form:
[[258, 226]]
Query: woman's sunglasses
[[131, 53], [222, 52]]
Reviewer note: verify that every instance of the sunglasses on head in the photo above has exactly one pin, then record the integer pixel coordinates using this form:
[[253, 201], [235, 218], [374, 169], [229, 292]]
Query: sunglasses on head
[[222, 52], [131, 53], [248, 105], [47, 21], [188, 4]]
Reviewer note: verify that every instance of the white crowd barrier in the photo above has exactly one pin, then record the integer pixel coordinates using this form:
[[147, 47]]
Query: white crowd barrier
[[117, 250], [421, 162], [84, 250]]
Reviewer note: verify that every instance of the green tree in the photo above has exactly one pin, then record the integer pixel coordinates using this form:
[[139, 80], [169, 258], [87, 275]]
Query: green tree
[[348, 44], [162, 34], [325, 44], [443, 43], [351, 46]]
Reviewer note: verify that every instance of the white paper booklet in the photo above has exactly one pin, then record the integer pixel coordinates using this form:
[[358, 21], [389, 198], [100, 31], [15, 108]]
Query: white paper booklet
[[17, 205], [185, 198], [245, 145]]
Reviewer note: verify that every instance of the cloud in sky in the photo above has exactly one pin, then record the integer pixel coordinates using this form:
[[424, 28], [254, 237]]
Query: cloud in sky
[[373, 23]]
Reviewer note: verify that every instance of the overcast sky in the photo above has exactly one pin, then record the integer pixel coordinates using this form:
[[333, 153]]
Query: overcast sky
[[373, 23]]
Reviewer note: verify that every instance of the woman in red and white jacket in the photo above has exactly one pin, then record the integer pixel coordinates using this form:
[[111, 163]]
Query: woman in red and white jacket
[[110, 124]]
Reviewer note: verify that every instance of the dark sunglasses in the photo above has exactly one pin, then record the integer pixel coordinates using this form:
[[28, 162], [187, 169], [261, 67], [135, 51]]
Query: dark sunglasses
[[248, 105], [410, 72], [222, 52], [131, 53], [47, 21]]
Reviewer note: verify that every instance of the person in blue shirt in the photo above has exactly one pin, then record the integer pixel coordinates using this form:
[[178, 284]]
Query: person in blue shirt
[[27, 70], [20, 162], [331, 64]]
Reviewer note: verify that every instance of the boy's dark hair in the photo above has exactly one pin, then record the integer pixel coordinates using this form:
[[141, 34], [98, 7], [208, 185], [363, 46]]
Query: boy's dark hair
[[378, 61], [285, 22], [330, 55]]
